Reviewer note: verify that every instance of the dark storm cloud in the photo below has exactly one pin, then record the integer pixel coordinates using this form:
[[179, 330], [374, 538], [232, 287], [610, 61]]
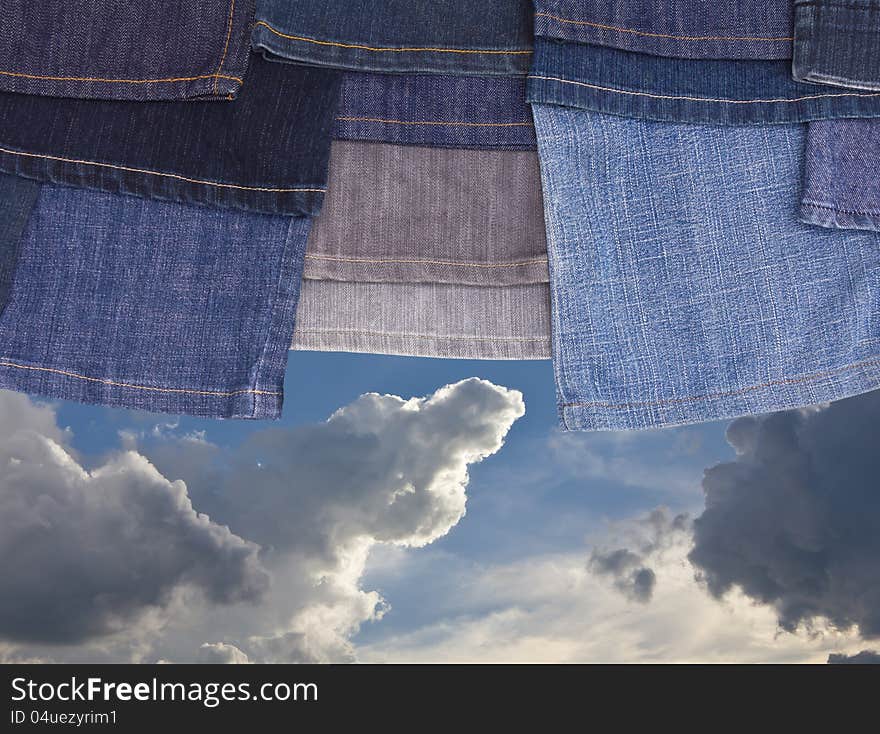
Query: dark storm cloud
[[794, 520], [84, 554], [865, 657]]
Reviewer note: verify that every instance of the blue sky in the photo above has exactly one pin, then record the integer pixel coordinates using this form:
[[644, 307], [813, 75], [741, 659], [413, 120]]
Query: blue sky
[[544, 565]]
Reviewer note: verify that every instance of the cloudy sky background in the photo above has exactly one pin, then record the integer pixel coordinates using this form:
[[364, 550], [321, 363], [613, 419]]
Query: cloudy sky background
[[404, 511]]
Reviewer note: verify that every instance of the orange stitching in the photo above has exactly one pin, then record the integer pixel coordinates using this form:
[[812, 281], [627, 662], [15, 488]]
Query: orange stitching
[[434, 122], [712, 396], [703, 99], [405, 335], [226, 46], [158, 173], [394, 50], [777, 39], [113, 383], [333, 258], [120, 81]]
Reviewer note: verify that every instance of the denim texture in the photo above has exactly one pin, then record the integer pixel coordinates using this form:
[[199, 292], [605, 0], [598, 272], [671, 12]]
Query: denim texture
[[152, 305], [692, 29], [267, 152], [435, 110], [425, 319], [419, 36], [837, 42], [842, 175], [430, 215], [684, 288], [17, 198], [105, 49], [710, 91]]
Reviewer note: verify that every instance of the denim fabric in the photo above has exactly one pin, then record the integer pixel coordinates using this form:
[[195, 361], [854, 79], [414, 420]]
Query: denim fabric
[[425, 320], [842, 175], [692, 29], [105, 49], [430, 215], [152, 305], [713, 91], [436, 110], [684, 288], [433, 36], [268, 151], [17, 197], [837, 42]]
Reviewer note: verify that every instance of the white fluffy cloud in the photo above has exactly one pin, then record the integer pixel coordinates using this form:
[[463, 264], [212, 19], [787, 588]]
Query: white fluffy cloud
[[318, 498]]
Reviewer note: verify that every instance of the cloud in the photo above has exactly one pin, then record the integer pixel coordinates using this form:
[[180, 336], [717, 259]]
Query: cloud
[[865, 657], [90, 555], [220, 652], [85, 553], [794, 520], [551, 608], [629, 569], [318, 498]]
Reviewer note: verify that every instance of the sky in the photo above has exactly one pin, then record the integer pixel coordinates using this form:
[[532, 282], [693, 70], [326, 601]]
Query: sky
[[409, 509]]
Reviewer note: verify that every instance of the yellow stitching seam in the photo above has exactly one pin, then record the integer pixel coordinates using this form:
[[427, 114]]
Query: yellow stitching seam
[[425, 336], [113, 383], [730, 393], [226, 45], [158, 173], [702, 99], [387, 49], [434, 122], [333, 258], [777, 39], [120, 81]]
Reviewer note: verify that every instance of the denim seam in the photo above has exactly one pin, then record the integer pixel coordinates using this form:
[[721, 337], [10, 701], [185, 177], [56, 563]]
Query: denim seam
[[130, 386], [229, 23], [701, 99], [634, 32], [120, 81], [434, 122], [415, 261], [409, 335], [388, 48], [838, 209], [175, 176], [730, 393], [271, 319]]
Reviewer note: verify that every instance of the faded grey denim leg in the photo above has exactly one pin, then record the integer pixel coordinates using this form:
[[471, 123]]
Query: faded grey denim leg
[[425, 320], [430, 215]]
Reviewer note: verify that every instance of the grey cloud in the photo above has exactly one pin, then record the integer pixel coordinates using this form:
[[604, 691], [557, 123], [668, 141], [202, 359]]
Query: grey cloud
[[794, 520], [629, 569], [86, 553], [865, 657]]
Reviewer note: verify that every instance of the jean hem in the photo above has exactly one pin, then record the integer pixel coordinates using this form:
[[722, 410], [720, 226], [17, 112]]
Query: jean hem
[[421, 345], [782, 394], [823, 215], [582, 30], [467, 62], [64, 384], [290, 200]]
